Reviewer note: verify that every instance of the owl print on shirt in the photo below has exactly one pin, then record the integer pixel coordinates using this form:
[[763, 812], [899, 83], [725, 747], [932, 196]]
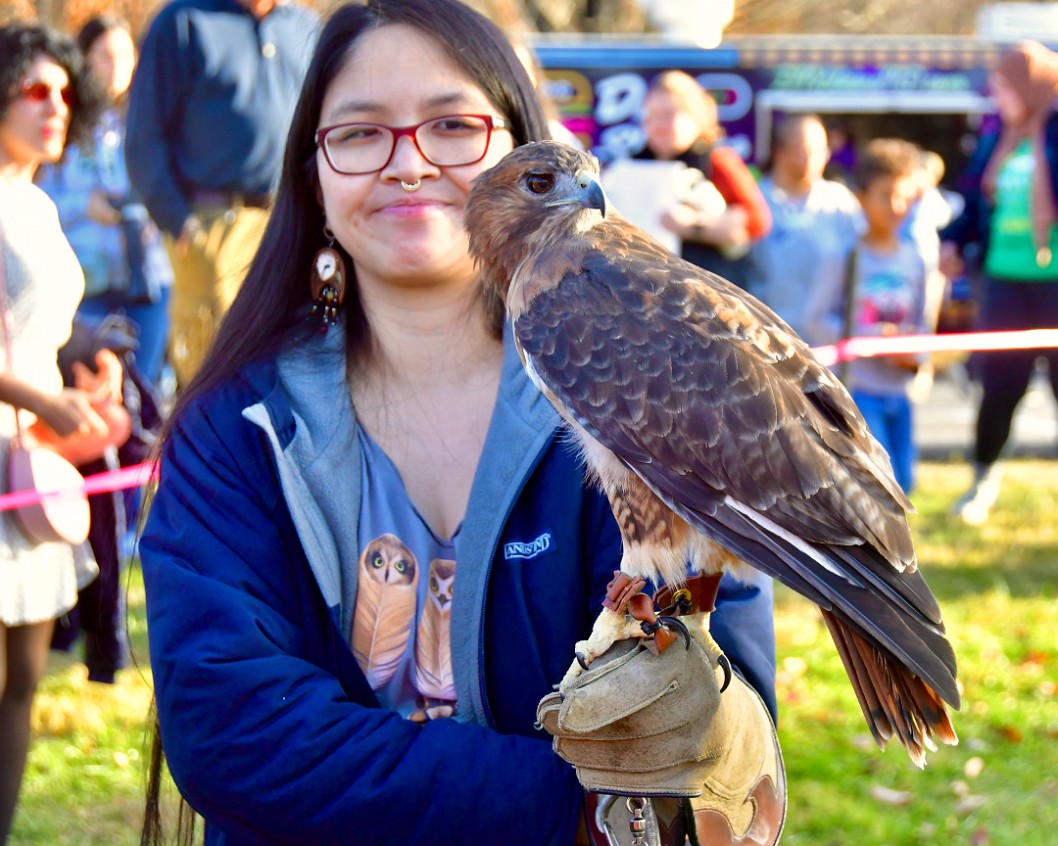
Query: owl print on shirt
[[387, 619], [384, 614]]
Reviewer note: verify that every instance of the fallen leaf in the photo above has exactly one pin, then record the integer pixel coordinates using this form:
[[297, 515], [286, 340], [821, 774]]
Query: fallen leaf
[[864, 742], [1010, 734], [892, 797], [973, 767], [969, 804]]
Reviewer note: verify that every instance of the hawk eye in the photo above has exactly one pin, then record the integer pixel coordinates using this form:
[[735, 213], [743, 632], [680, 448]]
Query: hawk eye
[[540, 183]]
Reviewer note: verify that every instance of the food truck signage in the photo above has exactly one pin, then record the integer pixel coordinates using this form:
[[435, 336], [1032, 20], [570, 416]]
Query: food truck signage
[[599, 87]]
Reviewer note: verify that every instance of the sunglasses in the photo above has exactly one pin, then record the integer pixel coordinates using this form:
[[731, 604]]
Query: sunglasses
[[38, 92]]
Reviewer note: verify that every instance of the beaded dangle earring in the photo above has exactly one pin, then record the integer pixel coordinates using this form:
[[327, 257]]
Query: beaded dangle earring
[[328, 282]]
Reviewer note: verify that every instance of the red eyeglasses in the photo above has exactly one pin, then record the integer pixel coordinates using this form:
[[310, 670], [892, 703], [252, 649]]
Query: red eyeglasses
[[38, 92]]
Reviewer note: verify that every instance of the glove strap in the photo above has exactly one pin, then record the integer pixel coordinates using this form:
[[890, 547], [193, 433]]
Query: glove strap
[[697, 595]]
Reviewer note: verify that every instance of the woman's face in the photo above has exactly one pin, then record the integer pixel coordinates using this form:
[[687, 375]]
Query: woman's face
[[33, 130], [111, 60], [670, 129], [1008, 104], [398, 76]]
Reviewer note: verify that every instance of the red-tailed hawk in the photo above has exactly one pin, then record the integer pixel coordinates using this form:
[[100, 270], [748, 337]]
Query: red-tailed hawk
[[714, 432]]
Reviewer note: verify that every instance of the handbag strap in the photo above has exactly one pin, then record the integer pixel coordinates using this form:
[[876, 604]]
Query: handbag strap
[[5, 327]]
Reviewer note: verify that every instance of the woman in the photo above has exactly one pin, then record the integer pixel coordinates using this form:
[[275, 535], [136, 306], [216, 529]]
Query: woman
[[1011, 188], [680, 124], [43, 100], [127, 272], [125, 264], [363, 529]]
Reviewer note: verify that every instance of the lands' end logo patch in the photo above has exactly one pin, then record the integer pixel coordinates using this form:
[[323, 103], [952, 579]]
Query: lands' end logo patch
[[527, 550]]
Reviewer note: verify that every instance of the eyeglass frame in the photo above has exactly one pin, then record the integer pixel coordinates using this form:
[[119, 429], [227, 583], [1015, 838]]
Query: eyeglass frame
[[398, 132], [31, 91]]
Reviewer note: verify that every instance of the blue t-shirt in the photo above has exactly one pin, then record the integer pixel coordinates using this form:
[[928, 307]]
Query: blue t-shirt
[[401, 634]]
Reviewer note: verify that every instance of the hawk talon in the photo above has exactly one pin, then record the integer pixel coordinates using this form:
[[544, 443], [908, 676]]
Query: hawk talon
[[725, 665], [581, 660]]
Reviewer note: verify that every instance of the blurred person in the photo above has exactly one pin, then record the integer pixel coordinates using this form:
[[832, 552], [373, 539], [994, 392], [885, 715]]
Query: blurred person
[[930, 212], [398, 474], [531, 62], [209, 108], [813, 219], [126, 268], [842, 146], [43, 99], [680, 123], [127, 272], [878, 288], [1011, 189]]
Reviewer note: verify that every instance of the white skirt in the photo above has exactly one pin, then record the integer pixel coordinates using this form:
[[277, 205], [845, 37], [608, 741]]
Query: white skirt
[[38, 581]]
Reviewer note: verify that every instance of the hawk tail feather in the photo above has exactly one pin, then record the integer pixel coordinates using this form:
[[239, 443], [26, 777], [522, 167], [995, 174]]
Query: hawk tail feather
[[895, 702]]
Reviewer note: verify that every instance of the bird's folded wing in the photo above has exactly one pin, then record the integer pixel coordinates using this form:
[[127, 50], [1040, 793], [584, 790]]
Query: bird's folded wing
[[727, 416]]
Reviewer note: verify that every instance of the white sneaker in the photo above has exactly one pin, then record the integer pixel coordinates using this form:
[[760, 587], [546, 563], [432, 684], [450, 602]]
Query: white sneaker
[[976, 505]]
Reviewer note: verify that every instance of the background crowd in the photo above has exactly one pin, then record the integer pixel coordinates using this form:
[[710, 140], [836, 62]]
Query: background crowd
[[133, 200]]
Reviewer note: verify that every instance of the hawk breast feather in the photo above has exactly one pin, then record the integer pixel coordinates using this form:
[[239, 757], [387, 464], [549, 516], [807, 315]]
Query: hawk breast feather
[[714, 403]]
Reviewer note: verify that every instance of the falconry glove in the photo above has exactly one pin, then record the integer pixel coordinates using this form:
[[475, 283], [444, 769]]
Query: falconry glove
[[657, 726]]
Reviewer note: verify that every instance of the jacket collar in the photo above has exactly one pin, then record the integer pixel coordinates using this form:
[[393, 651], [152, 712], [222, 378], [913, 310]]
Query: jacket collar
[[307, 415]]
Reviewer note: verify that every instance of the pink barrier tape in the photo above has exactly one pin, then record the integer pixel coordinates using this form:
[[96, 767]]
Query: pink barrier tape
[[1027, 339], [106, 482]]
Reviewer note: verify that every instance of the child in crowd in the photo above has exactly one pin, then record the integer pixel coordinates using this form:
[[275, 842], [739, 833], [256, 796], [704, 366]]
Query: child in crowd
[[879, 288]]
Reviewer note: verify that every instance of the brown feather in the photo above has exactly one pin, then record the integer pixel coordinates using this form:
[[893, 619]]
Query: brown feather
[[893, 700]]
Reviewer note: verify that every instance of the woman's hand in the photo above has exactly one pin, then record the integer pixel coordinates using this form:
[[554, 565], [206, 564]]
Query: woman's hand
[[100, 210], [103, 386], [727, 230], [951, 263], [71, 413]]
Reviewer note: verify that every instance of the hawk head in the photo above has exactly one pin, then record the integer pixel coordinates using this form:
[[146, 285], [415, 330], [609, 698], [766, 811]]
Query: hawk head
[[539, 194]]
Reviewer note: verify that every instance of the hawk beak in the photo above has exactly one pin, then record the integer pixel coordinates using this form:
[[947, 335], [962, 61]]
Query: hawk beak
[[592, 196], [589, 196]]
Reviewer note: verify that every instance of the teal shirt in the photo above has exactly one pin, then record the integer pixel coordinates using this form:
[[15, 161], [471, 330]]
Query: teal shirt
[[1011, 251]]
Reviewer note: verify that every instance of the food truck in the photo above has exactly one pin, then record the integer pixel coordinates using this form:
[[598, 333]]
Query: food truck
[[932, 90]]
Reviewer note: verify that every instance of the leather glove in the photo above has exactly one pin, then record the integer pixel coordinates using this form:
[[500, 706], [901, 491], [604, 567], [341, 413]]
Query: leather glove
[[645, 725]]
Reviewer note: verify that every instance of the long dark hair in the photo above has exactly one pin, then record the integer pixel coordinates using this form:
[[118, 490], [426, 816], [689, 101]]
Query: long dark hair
[[270, 309], [99, 25], [20, 44]]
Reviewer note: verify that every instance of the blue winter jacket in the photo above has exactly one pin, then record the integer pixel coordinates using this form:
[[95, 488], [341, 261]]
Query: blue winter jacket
[[270, 728]]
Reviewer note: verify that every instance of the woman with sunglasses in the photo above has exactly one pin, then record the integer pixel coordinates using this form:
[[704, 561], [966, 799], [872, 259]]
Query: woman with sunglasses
[[126, 268], [372, 549], [43, 101]]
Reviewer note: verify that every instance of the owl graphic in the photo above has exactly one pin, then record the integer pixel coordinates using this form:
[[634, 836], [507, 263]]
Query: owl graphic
[[433, 645], [384, 614]]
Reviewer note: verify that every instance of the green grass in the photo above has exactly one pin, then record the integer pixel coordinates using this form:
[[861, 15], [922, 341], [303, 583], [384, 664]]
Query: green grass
[[998, 587]]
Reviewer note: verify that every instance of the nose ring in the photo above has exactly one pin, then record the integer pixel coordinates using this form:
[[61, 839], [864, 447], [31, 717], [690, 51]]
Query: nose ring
[[411, 186]]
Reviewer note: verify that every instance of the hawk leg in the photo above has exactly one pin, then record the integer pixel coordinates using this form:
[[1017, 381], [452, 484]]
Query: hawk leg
[[657, 546]]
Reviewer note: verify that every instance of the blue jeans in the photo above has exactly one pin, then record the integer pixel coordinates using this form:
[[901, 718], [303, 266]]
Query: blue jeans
[[889, 418]]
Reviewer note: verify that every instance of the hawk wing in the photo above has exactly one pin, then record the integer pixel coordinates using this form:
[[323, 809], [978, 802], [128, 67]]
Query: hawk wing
[[709, 397]]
